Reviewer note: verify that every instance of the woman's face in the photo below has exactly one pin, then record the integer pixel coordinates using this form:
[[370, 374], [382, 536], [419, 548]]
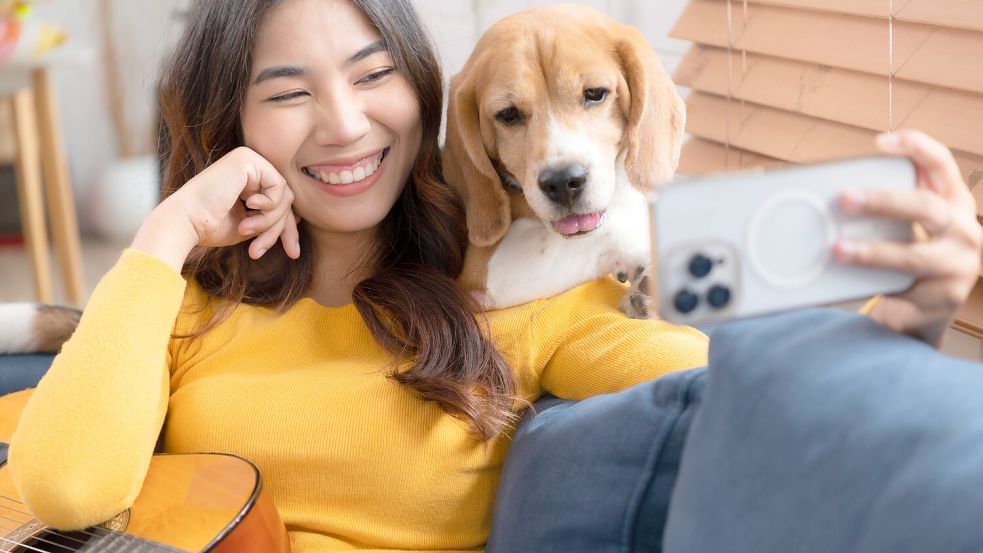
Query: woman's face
[[327, 108]]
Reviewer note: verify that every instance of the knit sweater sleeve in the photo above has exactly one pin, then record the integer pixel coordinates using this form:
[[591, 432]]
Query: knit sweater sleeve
[[592, 348], [84, 441]]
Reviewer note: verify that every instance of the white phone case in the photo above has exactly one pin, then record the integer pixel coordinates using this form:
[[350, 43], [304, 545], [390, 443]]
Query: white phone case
[[745, 244]]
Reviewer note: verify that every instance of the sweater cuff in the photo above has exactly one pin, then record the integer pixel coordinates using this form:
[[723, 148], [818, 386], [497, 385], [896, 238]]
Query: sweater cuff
[[869, 306]]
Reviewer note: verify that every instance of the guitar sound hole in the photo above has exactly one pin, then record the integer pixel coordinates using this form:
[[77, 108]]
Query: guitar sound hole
[[55, 541]]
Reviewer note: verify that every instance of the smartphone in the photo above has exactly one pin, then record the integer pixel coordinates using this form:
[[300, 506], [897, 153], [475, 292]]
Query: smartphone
[[744, 244]]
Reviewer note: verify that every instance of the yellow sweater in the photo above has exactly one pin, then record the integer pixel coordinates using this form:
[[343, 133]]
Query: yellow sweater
[[352, 459]]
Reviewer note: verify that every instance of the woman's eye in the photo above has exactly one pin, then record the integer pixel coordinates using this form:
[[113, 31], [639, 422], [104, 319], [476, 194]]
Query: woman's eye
[[509, 116], [595, 95], [288, 96], [372, 77]]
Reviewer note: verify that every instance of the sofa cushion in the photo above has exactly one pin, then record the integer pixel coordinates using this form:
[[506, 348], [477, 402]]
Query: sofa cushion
[[21, 371]]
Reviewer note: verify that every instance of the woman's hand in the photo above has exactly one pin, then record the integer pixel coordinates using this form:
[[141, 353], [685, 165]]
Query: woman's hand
[[238, 197], [944, 258]]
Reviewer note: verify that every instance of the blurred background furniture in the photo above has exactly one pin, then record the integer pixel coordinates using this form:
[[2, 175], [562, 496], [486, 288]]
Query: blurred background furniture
[[44, 189]]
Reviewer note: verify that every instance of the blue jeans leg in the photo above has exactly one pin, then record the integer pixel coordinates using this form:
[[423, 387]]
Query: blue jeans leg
[[595, 476], [821, 431]]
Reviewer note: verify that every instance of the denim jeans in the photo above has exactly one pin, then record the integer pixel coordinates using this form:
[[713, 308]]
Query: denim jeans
[[813, 431]]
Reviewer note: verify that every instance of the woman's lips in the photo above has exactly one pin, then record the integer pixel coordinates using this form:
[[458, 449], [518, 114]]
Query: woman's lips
[[347, 174], [360, 176]]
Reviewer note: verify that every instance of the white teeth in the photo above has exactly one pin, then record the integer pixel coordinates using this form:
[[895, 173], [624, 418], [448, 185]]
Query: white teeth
[[347, 177]]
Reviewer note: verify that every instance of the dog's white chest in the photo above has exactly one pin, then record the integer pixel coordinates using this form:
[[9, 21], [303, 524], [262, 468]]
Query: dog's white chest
[[531, 262]]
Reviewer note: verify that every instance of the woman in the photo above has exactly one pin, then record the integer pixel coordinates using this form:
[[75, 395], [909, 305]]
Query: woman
[[344, 363]]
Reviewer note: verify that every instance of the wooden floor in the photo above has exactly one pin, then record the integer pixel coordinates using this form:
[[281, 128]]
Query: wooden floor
[[15, 270]]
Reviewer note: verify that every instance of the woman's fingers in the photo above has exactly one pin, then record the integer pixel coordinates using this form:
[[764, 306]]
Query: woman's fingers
[[269, 229], [259, 202], [261, 176], [265, 218], [920, 206], [267, 239], [919, 259], [290, 237], [932, 158]]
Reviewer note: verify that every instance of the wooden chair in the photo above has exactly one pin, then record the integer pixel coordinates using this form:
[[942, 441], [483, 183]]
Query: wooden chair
[[42, 172]]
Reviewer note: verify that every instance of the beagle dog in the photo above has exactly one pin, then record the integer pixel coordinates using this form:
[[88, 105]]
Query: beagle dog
[[559, 125]]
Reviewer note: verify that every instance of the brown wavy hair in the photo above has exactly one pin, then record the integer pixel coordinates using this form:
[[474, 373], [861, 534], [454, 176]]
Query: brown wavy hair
[[410, 302]]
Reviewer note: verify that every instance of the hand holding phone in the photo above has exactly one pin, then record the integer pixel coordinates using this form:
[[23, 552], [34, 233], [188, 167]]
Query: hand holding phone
[[739, 245]]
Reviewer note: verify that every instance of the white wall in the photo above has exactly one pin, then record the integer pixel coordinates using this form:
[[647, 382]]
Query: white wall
[[143, 29], [457, 24]]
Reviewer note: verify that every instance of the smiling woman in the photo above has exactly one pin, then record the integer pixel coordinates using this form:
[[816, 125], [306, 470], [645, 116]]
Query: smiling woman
[[335, 117], [347, 363]]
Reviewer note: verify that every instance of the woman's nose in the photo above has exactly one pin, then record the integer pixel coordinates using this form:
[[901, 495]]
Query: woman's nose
[[341, 121]]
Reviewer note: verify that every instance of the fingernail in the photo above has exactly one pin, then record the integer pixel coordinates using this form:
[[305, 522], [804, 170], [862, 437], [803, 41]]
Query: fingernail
[[248, 232], [888, 140], [852, 200], [260, 252]]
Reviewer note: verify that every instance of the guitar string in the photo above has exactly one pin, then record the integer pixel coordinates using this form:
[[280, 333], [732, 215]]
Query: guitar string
[[22, 545], [53, 532], [8, 531], [102, 534], [213, 483], [21, 524]]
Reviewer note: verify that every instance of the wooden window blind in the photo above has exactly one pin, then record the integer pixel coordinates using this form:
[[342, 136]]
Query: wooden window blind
[[778, 82]]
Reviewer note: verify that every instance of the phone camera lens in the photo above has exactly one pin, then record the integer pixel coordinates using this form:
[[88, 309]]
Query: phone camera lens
[[718, 296], [700, 265], [685, 301]]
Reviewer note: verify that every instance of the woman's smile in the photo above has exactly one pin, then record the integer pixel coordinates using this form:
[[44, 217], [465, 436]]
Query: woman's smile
[[341, 178]]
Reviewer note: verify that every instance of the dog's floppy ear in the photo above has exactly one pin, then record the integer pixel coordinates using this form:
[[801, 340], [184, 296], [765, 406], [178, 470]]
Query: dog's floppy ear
[[656, 115], [468, 168]]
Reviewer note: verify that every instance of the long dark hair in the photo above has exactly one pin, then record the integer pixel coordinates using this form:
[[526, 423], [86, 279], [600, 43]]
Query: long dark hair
[[410, 302]]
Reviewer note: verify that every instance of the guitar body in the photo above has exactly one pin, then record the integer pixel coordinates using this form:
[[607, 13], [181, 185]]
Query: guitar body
[[199, 502]]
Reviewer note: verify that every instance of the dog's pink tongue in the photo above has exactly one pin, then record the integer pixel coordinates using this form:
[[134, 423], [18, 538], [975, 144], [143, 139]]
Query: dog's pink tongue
[[577, 223]]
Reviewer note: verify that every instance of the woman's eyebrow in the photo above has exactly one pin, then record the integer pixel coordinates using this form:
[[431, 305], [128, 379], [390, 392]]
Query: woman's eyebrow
[[375, 47], [297, 71], [280, 71]]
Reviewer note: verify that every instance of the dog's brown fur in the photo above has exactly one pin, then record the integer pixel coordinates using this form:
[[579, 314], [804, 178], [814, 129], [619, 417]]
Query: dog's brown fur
[[541, 62]]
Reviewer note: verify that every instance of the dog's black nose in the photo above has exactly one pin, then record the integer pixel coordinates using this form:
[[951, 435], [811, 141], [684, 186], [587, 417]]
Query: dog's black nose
[[563, 185]]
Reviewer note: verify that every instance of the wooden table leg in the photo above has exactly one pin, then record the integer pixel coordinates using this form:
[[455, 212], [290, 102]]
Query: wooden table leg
[[27, 166], [58, 188]]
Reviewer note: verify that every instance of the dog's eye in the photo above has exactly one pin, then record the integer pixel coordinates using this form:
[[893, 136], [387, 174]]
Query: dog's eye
[[509, 116], [595, 95]]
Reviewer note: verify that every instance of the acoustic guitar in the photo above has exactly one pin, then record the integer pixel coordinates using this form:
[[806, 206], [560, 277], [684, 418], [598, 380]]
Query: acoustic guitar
[[200, 502]]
